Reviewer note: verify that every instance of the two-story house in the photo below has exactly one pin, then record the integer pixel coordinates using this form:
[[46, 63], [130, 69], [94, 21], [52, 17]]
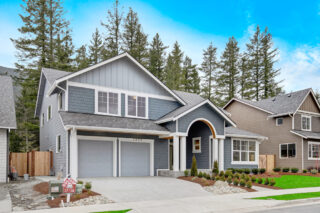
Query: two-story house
[[117, 119], [290, 121]]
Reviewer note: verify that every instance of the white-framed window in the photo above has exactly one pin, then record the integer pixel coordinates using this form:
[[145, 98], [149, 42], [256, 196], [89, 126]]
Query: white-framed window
[[49, 113], [279, 121], [196, 145], [136, 106], [244, 151], [107, 103], [287, 150], [306, 122], [59, 101], [58, 144], [313, 150], [42, 120]]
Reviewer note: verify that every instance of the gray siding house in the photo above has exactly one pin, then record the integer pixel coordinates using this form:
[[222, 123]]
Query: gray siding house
[[7, 122], [117, 119]]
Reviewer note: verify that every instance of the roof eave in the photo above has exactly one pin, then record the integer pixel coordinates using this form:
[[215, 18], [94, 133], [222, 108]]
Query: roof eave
[[247, 136]]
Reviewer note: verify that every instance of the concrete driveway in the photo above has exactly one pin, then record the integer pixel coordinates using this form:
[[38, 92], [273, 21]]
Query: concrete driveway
[[130, 189]]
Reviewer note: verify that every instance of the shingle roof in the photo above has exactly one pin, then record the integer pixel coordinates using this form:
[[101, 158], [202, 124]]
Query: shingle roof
[[307, 134], [53, 74], [233, 131], [7, 107], [103, 121], [281, 104]]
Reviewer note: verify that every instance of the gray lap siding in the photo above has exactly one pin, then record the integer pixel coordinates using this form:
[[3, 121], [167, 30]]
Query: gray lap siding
[[158, 107], [81, 100]]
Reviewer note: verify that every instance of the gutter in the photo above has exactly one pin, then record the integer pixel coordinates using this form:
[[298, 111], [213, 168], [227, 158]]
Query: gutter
[[247, 136]]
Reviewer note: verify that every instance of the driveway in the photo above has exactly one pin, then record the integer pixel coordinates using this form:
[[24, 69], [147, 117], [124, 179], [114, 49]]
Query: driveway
[[130, 189]]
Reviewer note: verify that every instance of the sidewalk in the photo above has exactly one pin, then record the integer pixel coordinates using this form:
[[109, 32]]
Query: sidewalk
[[216, 203]]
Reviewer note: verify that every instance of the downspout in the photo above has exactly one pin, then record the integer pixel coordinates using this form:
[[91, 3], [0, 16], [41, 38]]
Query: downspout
[[7, 164], [302, 162]]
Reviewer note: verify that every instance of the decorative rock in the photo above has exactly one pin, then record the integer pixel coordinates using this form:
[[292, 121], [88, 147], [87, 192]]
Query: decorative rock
[[92, 200], [221, 187]]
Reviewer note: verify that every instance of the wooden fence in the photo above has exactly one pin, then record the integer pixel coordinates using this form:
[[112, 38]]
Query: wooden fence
[[34, 163], [267, 161]]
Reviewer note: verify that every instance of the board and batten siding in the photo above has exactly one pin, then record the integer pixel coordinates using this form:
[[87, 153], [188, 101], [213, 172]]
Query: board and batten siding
[[309, 105], [315, 122], [3, 155], [122, 74], [51, 129]]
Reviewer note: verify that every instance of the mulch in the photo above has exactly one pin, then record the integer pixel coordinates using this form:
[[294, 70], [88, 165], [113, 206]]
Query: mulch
[[43, 188], [301, 174], [266, 186], [245, 188]]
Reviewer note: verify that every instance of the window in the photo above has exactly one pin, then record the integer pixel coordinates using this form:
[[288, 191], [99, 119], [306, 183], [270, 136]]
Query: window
[[279, 121], [306, 123], [108, 103], [137, 106], [49, 113], [58, 144], [313, 150], [288, 150], [42, 120], [59, 101], [196, 145], [243, 151]]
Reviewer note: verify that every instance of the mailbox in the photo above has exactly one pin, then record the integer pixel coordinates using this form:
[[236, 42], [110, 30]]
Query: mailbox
[[55, 188]]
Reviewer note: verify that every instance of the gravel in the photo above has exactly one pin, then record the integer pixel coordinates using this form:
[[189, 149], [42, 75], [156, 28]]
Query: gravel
[[221, 187], [93, 200]]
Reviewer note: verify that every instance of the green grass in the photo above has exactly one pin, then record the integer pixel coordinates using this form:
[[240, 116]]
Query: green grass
[[118, 211], [296, 181], [290, 196]]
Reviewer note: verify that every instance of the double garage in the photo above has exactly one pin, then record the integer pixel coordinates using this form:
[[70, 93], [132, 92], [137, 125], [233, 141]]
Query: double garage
[[114, 157]]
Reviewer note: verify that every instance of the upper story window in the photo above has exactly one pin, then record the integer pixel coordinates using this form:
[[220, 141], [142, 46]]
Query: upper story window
[[244, 151], [108, 103], [279, 121], [196, 145], [59, 101], [288, 150], [306, 122], [136, 106], [49, 113]]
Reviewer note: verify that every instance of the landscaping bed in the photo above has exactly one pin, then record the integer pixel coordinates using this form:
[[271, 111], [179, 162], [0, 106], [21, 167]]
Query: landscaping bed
[[203, 182]]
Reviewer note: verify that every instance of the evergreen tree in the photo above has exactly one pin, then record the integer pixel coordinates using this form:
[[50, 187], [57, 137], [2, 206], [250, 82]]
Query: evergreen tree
[[113, 25], [227, 78], [95, 48], [82, 60], [317, 94], [191, 77], [173, 69], [64, 50], [245, 90], [209, 67], [141, 47], [156, 60]]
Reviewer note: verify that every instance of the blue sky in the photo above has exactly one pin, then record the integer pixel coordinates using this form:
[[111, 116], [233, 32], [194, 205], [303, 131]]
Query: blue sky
[[295, 26]]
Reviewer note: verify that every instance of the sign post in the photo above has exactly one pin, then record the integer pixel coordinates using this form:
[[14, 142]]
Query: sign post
[[69, 187]]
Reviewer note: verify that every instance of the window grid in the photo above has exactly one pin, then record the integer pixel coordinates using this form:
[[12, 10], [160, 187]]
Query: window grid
[[306, 123], [288, 150], [314, 150], [244, 151], [136, 106]]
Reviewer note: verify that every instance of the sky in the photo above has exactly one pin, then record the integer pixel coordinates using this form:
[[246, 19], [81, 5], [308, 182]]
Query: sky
[[294, 25]]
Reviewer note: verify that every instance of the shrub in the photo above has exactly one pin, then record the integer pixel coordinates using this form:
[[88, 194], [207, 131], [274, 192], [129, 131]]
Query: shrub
[[200, 175], [229, 179], [222, 179], [194, 170], [88, 186], [272, 182], [228, 173], [277, 169], [237, 175], [186, 173], [314, 171], [240, 171], [221, 174], [242, 176], [242, 183], [253, 179], [255, 171], [285, 169], [215, 167], [294, 170], [266, 181], [305, 171], [262, 170], [89, 192], [208, 177], [236, 182], [249, 184], [247, 178], [246, 171], [232, 170], [260, 180], [213, 176], [217, 178], [80, 182]]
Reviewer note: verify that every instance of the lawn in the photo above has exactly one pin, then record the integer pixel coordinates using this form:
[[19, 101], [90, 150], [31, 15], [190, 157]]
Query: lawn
[[296, 181], [291, 196], [118, 211]]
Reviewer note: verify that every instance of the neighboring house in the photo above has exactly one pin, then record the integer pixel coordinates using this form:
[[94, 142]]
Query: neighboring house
[[291, 122], [12, 73], [7, 122], [117, 119]]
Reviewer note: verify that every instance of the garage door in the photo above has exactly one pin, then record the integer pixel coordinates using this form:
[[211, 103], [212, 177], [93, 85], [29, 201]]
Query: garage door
[[135, 158], [95, 158]]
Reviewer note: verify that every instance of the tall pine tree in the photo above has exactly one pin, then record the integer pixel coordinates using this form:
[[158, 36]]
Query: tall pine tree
[[82, 60], [191, 79], [96, 48], [246, 89]]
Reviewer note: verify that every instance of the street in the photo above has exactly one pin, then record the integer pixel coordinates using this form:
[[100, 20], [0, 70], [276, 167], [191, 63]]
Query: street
[[313, 208]]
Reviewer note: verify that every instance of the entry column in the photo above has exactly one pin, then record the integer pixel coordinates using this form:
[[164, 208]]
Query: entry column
[[73, 153], [175, 153], [183, 153], [221, 154]]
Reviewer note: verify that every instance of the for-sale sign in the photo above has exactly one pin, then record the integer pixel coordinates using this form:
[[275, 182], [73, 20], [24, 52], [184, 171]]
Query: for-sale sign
[[69, 185]]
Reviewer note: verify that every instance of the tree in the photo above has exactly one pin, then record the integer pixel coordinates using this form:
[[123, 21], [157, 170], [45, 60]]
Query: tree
[[245, 90], [228, 75], [64, 50], [156, 61], [209, 67], [113, 25], [141, 46], [191, 77], [95, 48], [173, 69], [194, 170], [317, 94], [82, 60]]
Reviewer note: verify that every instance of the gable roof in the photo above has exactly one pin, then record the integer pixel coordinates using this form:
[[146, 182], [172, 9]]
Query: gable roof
[[283, 104], [193, 101], [306, 134], [7, 106], [64, 78], [53, 74]]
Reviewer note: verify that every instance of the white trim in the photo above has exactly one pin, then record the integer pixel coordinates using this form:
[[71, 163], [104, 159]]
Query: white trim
[[256, 153], [313, 142], [306, 112], [42, 119], [73, 153], [126, 106], [193, 145], [201, 119], [221, 136], [295, 144], [96, 103], [235, 99], [35, 112], [314, 98], [56, 82], [133, 140], [58, 151], [210, 151], [196, 107], [107, 139], [279, 115], [247, 136], [298, 134], [48, 119], [306, 116], [66, 97], [183, 153], [277, 121], [67, 153]]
